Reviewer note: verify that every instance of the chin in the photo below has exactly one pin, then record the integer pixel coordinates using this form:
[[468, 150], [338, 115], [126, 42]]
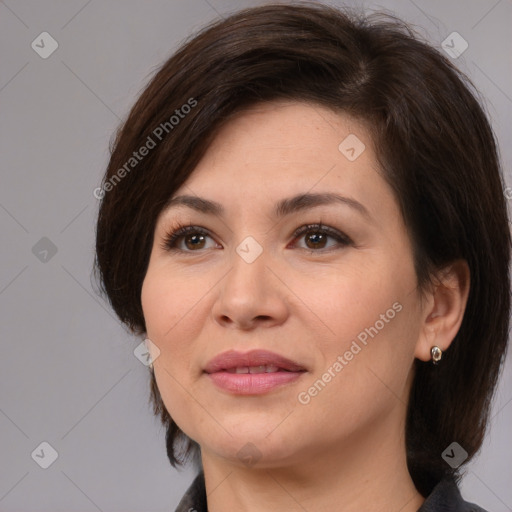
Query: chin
[[253, 447], [257, 454]]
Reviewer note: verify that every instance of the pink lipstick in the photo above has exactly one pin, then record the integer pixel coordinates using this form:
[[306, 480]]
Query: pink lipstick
[[252, 373]]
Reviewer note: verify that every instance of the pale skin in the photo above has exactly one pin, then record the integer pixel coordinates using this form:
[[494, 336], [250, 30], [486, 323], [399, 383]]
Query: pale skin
[[306, 298]]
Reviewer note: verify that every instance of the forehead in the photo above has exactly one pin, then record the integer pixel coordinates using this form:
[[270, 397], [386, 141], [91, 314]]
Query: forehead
[[285, 139], [276, 150], [298, 132]]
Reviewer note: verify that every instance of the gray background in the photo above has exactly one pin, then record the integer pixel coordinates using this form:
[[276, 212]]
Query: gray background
[[68, 375]]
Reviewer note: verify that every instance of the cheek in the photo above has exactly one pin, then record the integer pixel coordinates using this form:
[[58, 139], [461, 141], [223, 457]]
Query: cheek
[[166, 300], [176, 308], [167, 308], [364, 373], [157, 302], [368, 329], [345, 301], [167, 305]]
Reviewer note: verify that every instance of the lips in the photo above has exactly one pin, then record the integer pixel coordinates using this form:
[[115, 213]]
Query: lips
[[264, 368], [252, 373], [255, 361]]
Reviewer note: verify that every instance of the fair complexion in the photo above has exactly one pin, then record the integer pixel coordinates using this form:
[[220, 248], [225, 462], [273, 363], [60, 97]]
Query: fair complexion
[[305, 297]]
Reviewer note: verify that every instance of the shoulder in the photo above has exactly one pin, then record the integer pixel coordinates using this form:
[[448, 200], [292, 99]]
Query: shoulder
[[446, 497]]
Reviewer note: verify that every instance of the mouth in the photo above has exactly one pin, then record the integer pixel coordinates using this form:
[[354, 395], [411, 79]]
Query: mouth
[[252, 373], [256, 369]]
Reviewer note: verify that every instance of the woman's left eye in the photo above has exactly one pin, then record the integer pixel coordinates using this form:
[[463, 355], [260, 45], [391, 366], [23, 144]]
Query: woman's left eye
[[316, 235], [194, 238]]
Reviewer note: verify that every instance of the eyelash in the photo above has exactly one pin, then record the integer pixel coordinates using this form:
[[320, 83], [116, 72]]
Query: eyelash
[[180, 230]]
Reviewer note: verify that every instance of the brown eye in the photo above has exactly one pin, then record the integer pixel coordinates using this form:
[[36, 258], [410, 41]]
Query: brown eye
[[194, 241], [317, 240], [316, 237], [194, 238], [187, 239]]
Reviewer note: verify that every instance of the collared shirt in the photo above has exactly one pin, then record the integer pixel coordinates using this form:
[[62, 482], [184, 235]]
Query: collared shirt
[[445, 497]]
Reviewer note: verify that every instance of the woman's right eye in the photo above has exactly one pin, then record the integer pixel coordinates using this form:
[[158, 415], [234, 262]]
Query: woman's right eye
[[192, 236]]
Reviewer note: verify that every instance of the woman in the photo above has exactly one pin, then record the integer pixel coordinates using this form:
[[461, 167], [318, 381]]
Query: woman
[[304, 216]]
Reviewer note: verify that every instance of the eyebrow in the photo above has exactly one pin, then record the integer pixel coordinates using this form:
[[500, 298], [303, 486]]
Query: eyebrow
[[282, 208]]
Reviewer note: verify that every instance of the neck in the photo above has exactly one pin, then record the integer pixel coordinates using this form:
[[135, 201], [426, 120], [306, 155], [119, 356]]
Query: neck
[[366, 472]]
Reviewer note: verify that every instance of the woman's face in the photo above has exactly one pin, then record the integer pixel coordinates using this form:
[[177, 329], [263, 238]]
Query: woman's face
[[339, 300]]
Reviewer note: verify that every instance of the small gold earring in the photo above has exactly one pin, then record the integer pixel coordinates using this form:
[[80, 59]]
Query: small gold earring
[[436, 354]]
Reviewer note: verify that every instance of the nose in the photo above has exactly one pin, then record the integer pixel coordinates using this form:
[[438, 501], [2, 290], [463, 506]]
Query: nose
[[250, 295]]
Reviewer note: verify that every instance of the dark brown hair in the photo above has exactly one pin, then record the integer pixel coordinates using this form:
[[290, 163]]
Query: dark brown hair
[[434, 144]]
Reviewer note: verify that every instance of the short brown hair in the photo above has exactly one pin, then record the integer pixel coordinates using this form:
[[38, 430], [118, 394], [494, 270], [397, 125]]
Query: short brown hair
[[434, 144]]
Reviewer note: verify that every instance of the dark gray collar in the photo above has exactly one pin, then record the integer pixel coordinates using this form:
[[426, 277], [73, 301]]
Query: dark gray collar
[[445, 497]]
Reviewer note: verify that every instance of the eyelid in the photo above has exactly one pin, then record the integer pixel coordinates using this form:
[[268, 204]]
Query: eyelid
[[178, 230], [334, 233]]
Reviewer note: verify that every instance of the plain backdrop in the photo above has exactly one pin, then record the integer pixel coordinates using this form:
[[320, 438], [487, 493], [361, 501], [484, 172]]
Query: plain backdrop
[[68, 373]]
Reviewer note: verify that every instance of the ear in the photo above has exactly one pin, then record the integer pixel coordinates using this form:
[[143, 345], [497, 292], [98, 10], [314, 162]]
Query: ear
[[444, 308]]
